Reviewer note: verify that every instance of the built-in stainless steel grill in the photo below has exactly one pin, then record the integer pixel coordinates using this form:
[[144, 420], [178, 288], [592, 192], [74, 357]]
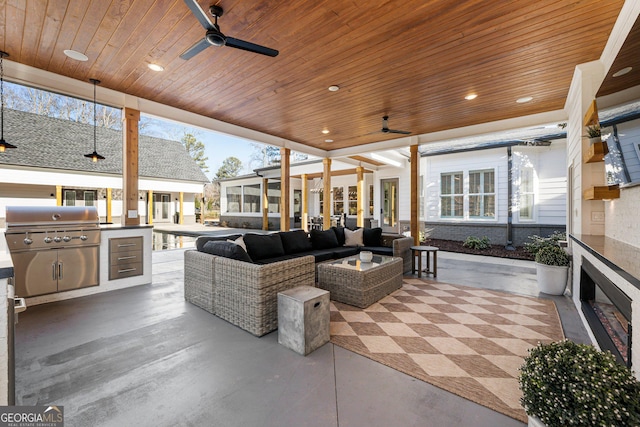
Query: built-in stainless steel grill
[[53, 248]]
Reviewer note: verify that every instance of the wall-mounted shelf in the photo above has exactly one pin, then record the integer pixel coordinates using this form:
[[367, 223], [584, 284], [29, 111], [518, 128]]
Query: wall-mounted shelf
[[605, 192], [591, 116], [596, 152]]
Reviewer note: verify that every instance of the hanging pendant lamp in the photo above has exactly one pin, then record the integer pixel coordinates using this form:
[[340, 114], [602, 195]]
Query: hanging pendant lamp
[[94, 156], [3, 144]]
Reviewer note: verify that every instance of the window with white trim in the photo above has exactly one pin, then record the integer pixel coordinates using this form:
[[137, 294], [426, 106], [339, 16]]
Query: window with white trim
[[527, 200], [251, 198], [482, 194], [234, 198], [273, 195], [451, 195]]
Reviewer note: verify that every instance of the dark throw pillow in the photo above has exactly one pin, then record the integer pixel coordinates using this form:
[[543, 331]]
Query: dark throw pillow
[[262, 246], [295, 241], [339, 234], [324, 239], [372, 236], [227, 250]]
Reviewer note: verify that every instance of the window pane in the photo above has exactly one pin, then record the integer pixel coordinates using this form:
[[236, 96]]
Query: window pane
[[526, 206], [489, 206], [89, 198], [458, 206], [457, 184], [474, 182], [445, 184], [474, 206], [69, 198], [445, 206], [488, 182], [273, 195], [371, 200], [251, 201], [234, 195]]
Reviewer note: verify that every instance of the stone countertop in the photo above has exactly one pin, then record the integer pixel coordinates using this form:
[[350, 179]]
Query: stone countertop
[[621, 257], [107, 227]]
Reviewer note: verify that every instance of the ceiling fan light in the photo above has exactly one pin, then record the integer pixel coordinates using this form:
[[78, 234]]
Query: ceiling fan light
[[215, 38]]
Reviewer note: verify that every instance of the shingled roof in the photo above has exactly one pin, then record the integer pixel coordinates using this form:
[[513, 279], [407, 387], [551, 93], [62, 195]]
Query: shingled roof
[[50, 143]]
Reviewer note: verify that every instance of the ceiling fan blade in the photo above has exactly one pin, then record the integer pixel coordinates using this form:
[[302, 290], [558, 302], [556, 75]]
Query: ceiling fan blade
[[199, 14], [201, 45], [250, 47], [402, 132]]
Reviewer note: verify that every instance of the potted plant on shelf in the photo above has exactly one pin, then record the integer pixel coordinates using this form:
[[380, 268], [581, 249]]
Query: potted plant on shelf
[[566, 384], [595, 133], [552, 268]]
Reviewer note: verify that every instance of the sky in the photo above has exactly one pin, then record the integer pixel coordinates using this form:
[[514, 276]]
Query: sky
[[218, 146]]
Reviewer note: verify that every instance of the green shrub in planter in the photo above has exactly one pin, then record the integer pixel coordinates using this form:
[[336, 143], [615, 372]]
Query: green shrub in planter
[[552, 255], [537, 242], [474, 242], [569, 384]]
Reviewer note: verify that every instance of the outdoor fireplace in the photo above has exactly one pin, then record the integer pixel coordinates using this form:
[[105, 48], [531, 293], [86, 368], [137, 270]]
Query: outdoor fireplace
[[608, 311]]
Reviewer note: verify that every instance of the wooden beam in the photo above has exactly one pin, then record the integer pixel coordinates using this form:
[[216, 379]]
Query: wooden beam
[[341, 172], [305, 203], [285, 184], [130, 174], [58, 195], [415, 188], [591, 116], [326, 197], [265, 204], [150, 207], [367, 160], [360, 196], [109, 200], [181, 216]]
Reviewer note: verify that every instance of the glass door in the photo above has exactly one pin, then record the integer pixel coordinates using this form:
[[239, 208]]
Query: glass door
[[389, 203], [161, 207]]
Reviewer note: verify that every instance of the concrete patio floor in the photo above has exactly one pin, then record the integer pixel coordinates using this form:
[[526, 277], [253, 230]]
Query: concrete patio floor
[[144, 357]]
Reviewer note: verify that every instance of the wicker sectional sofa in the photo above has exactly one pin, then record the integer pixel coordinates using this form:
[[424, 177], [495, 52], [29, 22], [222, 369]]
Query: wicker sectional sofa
[[242, 286]]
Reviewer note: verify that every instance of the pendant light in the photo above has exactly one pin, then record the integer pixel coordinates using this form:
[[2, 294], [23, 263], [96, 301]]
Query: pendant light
[[94, 156], [3, 144]]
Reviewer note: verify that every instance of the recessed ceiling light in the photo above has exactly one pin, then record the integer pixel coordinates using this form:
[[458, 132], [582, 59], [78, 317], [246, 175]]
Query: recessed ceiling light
[[155, 67], [524, 99], [325, 131], [76, 55], [334, 88], [471, 96], [622, 72], [328, 140]]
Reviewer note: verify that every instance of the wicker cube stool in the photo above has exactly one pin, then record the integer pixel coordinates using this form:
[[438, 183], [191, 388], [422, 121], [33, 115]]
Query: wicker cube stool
[[303, 318]]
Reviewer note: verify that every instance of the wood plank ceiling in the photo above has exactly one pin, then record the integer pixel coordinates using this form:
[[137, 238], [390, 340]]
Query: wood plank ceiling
[[414, 60]]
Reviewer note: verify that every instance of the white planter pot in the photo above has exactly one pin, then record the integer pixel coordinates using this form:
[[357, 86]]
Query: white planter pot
[[535, 422], [552, 279]]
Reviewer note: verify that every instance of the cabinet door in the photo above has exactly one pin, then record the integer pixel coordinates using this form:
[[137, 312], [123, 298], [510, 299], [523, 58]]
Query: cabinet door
[[35, 272], [77, 268]]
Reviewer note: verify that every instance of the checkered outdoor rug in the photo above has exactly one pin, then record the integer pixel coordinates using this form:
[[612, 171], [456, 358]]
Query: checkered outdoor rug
[[468, 341]]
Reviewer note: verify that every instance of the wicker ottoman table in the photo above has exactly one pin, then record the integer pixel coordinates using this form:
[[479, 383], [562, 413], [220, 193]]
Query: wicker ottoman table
[[354, 282]]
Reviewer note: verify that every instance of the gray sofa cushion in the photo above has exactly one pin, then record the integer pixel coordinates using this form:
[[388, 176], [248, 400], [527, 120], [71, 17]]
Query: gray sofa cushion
[[226, 249], [295, 242], [202, 240], [324, 239], [263, 246]]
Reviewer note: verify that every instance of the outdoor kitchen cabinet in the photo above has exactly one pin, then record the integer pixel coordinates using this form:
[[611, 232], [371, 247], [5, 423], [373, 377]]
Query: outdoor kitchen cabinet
[[49, 271], [125, 257]]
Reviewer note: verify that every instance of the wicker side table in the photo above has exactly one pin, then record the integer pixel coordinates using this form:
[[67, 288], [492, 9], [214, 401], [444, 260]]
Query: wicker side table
[[351, 281]]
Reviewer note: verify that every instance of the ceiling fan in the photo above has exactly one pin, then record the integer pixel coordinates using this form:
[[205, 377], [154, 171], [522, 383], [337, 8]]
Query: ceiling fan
[[385, 127], [214, 37]]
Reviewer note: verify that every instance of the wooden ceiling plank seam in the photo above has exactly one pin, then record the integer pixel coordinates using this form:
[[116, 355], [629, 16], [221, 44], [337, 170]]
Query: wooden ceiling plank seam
[[34, 19], [72, 19], [56, 10], [14, 22]]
